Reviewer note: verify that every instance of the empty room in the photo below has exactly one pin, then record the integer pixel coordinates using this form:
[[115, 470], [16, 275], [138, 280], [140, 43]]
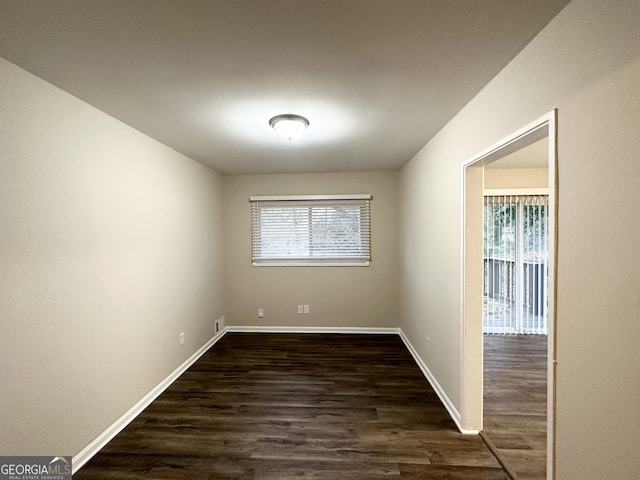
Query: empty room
[[246, 239]]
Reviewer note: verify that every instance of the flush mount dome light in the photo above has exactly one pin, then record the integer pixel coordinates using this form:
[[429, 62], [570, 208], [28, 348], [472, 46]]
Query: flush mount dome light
[[289, 126]]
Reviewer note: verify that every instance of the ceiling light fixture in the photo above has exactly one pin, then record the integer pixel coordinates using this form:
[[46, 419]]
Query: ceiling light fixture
[[289, 126]]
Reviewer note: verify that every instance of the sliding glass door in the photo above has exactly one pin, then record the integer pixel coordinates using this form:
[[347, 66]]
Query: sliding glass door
[[515, 264]]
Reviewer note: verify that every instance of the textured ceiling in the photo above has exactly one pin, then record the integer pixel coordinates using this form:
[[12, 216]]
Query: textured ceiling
[[376, 78]]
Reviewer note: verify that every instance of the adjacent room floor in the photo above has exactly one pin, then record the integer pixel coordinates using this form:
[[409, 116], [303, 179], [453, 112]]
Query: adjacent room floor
[[304, 406], [515, 401]]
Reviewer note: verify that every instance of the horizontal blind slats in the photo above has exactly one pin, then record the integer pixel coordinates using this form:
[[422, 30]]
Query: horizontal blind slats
[[331, 229]]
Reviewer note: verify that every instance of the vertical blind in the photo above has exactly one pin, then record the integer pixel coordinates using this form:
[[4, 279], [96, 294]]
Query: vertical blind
[[318, 229], [515, 264]]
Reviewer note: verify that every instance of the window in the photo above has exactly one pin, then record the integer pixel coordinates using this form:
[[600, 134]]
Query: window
[[311, 230], [515, 264]]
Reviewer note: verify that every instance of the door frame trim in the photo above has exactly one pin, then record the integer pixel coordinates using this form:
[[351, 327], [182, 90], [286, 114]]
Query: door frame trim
[[471, 362]]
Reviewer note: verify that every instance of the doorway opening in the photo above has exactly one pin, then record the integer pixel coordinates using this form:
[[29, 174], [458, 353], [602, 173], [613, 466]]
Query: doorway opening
[[508, 301]]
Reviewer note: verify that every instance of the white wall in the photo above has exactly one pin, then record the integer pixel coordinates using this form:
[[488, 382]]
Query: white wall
[[516, 178], [587, 64], [338, 296], [110, 245]]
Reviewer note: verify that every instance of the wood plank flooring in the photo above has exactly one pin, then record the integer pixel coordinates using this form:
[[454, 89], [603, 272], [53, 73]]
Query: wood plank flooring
[[515, 401], [303, 406]]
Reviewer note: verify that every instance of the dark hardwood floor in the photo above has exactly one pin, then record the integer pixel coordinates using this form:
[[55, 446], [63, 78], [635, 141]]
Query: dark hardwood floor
[[297, 406], [515, 401]]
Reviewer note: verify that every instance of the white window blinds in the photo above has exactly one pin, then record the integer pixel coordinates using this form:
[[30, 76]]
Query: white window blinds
[[515, 264], [311, 230]]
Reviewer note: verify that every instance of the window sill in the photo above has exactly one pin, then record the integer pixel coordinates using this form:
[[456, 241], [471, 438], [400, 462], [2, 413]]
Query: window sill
[[311, 264]]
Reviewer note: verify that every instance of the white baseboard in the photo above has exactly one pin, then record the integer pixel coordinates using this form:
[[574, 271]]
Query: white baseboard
[[444, 398], [272, 329], [105, 437]]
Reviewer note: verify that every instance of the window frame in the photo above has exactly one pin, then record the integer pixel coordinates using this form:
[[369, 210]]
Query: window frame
[[310, 261]]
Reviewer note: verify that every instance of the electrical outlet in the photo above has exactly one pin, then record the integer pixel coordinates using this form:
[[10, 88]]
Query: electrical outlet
[[181, 338], [260, 313], [306, 308], [300, 309]]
